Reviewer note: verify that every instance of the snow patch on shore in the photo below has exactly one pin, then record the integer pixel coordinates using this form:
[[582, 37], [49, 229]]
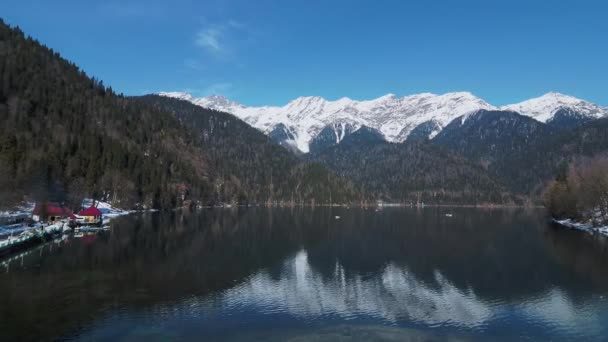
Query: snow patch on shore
[[107, 210], [586, 227], [24, 209]]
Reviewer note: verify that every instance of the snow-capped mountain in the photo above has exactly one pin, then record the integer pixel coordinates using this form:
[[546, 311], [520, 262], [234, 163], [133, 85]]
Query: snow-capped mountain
[[543, 108], [216, 102], [303, 119]]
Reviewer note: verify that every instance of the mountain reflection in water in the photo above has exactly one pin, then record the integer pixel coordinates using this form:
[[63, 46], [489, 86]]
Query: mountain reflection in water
[[249, 272]]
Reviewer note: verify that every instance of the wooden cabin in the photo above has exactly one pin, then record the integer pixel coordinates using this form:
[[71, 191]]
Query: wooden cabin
[[50, 212], [90, 215]]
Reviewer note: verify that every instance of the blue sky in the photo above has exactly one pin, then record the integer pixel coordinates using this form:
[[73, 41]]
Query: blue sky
[[269, 52]]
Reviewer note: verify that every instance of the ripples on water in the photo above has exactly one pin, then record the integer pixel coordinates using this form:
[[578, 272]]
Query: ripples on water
[[301, 274]]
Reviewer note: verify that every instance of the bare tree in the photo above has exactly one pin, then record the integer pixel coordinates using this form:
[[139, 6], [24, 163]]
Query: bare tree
[[583, 193]]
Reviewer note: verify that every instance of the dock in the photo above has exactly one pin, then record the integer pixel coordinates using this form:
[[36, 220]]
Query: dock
[[29, 237]]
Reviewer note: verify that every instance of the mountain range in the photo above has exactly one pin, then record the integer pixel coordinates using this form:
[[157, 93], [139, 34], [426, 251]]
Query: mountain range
[[65, 136], [309, 123]]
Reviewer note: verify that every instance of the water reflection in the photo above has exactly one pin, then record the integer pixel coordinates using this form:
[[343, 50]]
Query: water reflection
[[496, 273], [393, 295]]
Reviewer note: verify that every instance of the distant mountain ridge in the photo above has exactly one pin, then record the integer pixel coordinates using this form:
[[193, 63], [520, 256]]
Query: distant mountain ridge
[[305, 118]]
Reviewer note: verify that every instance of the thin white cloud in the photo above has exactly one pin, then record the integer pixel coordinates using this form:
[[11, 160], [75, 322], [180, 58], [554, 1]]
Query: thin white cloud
[[221, 39], [211, 39]]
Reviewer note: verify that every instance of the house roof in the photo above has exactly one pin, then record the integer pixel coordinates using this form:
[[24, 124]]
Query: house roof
[[51, 209], [90, 211]]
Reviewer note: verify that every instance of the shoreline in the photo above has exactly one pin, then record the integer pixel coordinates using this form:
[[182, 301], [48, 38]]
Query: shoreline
[[359, 205], [584, 227], [116, 212]]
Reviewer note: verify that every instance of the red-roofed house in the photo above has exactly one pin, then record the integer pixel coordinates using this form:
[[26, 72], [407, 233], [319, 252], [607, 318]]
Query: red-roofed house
[[90, 215], [50, 212]]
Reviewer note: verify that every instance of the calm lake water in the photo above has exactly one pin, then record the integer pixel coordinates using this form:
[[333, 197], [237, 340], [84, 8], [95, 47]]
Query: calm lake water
[[303, 274]]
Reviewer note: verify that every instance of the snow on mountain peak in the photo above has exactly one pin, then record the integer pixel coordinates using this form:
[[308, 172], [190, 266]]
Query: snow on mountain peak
[[544, 107], [219, 98], [309, 99], [177, 94], [387, 97], [395, 117]]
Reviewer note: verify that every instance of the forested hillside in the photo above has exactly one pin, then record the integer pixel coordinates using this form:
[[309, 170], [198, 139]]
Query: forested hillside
[[249, 164], [411, 172], [550, 156], [496, 140], [522, 153], [64, 135]]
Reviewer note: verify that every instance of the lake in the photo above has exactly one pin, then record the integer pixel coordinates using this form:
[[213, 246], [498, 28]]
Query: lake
[[320, 274]]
